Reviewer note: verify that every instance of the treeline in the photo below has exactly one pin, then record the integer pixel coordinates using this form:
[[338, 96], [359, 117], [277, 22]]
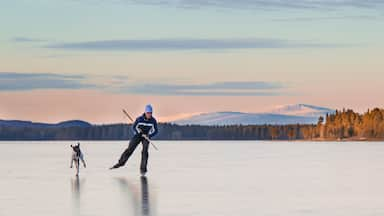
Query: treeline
[[166, 132], [349, 124], [343, 124]]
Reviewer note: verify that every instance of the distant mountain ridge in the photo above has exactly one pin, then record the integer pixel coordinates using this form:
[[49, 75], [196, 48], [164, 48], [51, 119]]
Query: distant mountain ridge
[[64, 124], [282, 115], [301, 110]]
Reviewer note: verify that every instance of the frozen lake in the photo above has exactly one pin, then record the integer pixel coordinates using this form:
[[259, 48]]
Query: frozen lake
[[223, 178]]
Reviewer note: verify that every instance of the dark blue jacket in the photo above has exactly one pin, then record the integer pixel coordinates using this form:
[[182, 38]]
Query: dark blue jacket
[[145, 126]]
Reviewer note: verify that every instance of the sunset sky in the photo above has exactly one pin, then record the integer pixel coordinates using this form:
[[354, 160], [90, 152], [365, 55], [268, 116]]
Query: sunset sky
[[83, 59]]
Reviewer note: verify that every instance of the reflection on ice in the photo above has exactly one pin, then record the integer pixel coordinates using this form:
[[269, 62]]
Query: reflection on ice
[[76, 185], [139, 198], [145, 201]]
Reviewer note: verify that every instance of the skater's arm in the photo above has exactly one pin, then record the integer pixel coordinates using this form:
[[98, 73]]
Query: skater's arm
[[154, 131], [135, 128]]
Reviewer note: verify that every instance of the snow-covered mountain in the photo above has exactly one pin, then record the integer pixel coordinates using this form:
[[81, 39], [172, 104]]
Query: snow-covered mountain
[[288, 114], [301, 110]]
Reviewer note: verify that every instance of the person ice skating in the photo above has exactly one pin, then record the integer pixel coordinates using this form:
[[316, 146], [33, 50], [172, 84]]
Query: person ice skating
[[77, 155], [144, 128]]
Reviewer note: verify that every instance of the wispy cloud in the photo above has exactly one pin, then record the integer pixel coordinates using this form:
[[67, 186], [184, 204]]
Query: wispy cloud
[[210, 89], [27, 39], [325, 18], [265, 4], [10, 81], [185, 44]]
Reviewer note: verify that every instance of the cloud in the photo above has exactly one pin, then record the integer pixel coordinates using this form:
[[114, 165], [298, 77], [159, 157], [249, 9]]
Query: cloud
[[211, 89], [26, 39], [10, 81], [185, 44], [31, 81], [325, 18], [264, 4]]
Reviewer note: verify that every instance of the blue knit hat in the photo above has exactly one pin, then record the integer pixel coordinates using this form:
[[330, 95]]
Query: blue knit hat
[[148, 108]]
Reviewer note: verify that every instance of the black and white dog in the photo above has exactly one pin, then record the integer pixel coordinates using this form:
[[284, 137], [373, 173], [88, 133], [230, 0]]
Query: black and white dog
[[77, 155]]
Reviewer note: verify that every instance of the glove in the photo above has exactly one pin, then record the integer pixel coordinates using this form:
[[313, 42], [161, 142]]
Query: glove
[[140, 132], [146, 136]]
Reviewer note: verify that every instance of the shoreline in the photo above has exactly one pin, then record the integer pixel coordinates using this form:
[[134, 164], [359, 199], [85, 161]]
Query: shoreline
[[202, 140]]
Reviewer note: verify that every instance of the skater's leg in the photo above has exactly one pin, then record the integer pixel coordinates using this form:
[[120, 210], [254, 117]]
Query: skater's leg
[[128, 152], [144, 157]]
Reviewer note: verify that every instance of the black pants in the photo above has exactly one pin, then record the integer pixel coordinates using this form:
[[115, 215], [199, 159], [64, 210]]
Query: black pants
[[131, 148]]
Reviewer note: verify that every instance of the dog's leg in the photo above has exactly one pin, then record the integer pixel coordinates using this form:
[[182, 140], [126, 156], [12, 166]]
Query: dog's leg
[[77, 167], [73, 159], [82, 160]]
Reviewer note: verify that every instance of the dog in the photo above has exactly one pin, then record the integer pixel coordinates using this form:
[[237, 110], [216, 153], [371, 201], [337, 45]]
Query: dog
[[77, 156]]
